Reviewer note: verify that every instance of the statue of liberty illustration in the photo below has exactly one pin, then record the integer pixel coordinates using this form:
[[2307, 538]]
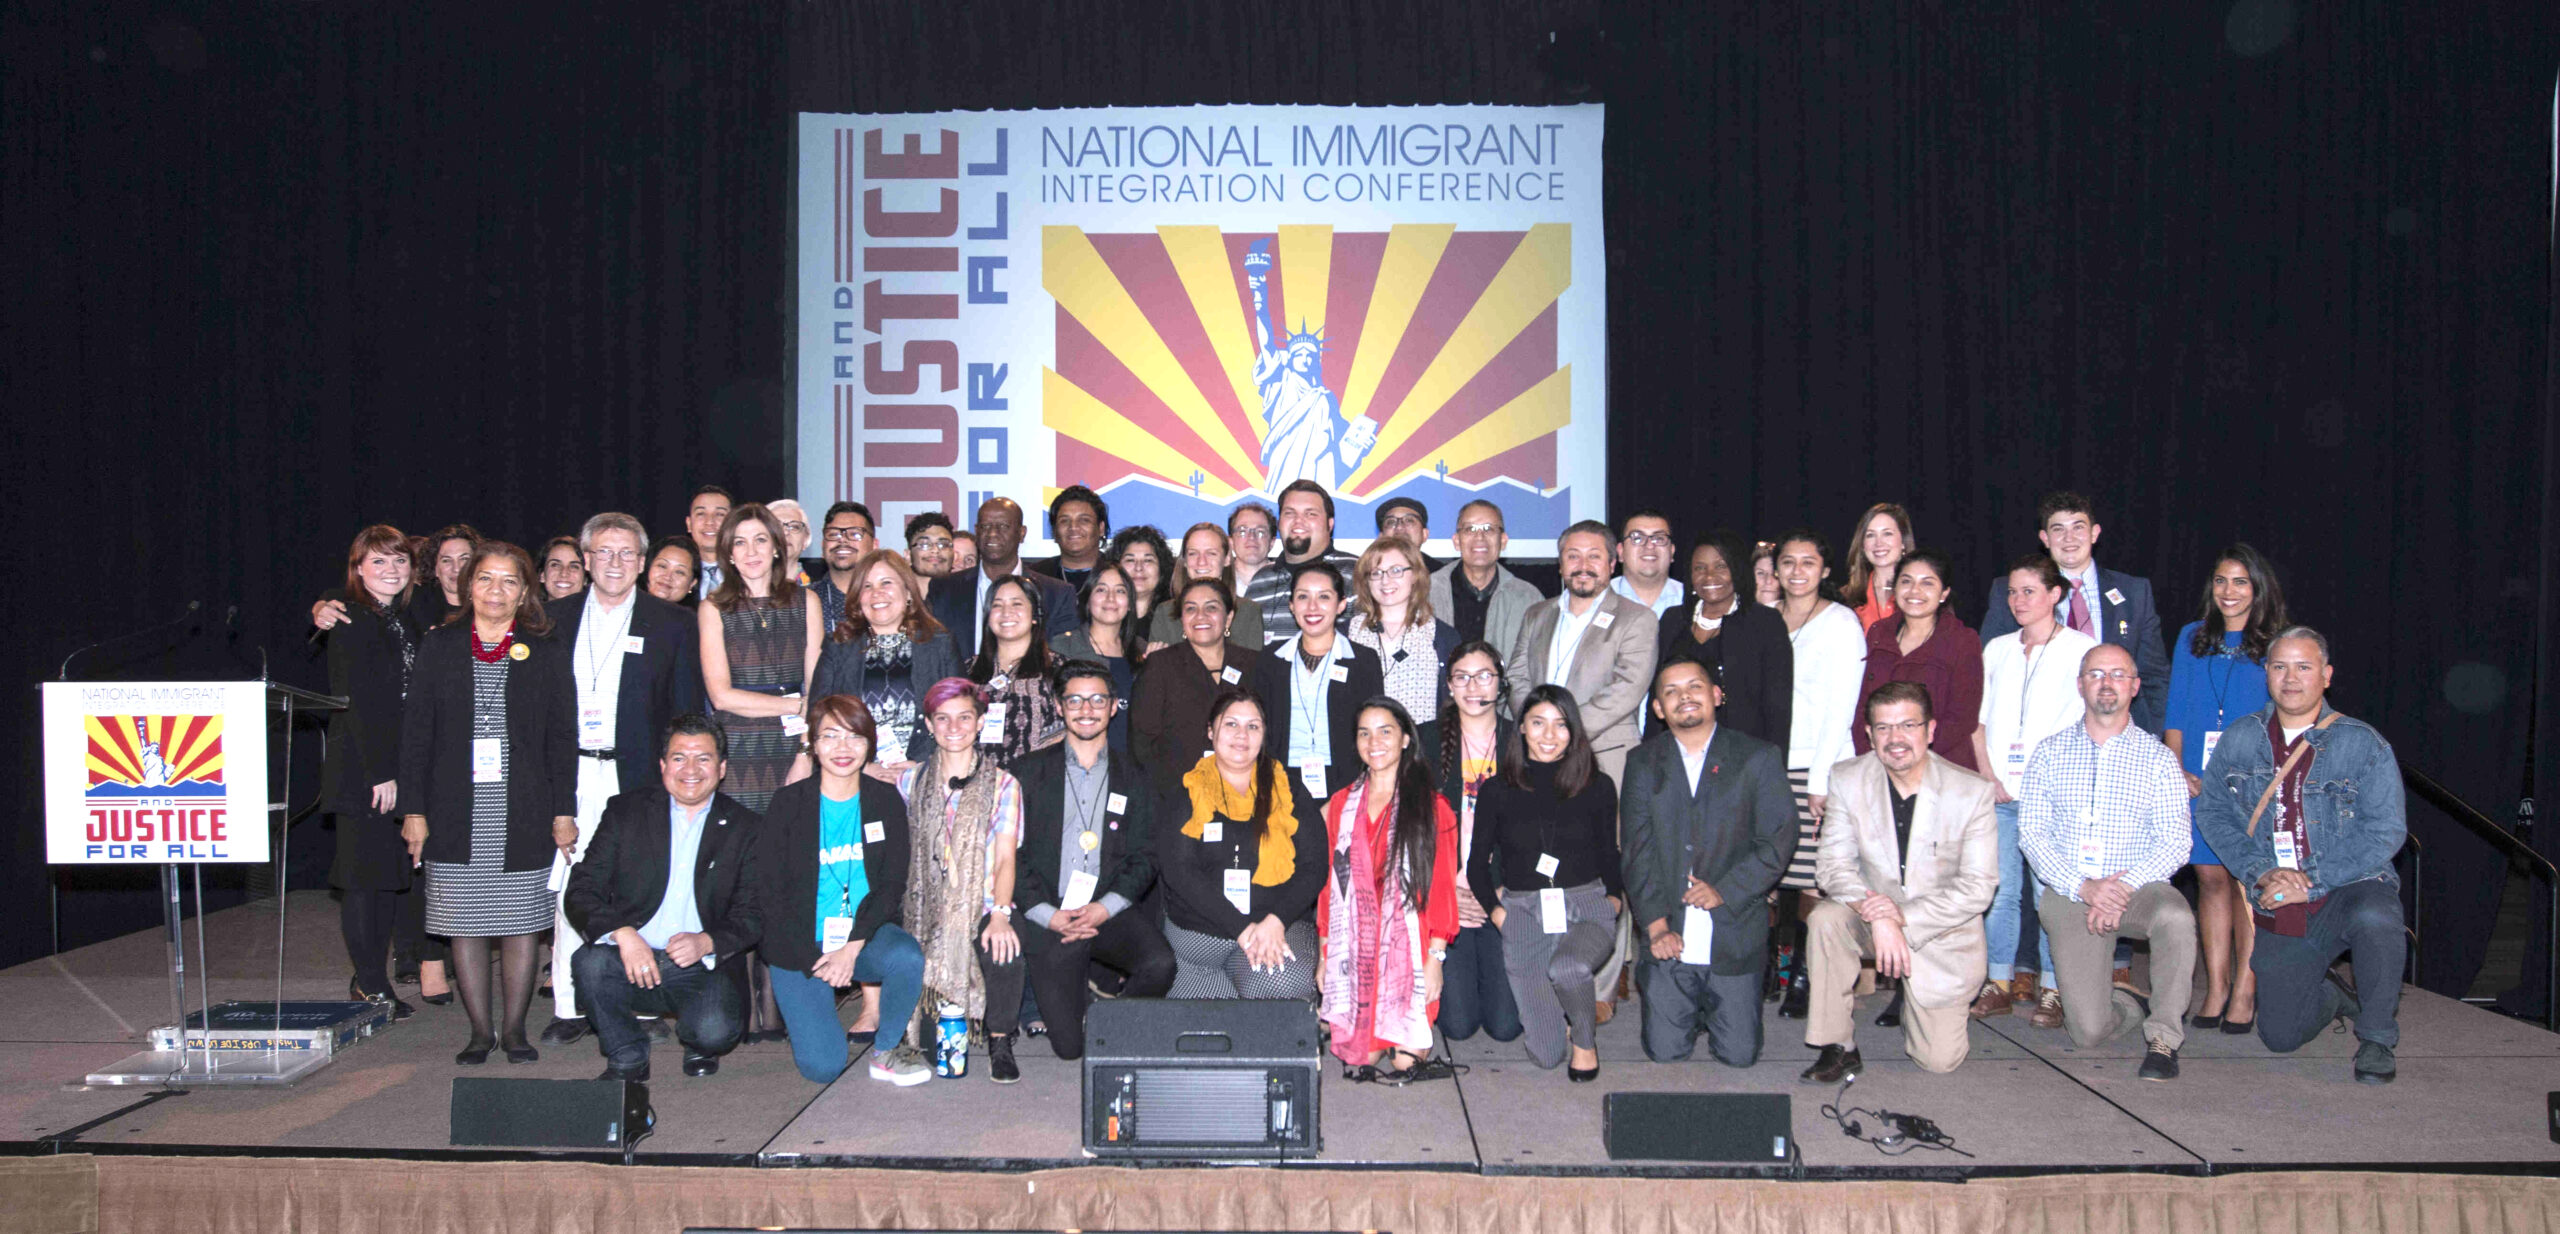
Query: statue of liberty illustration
[[1305, 436], [155, 773]]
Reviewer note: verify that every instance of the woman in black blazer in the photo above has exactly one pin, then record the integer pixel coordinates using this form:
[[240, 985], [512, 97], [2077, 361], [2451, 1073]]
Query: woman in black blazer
[[1470, 734], [1746, 641], [843, 832], [369, 664], [1346, 672], [488, 784]]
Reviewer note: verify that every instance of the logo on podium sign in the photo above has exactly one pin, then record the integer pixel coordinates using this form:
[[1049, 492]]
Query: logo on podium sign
[[143, 773]]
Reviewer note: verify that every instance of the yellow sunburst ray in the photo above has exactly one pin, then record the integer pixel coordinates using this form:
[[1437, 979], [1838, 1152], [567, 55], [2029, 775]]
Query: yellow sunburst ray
[[1413, 253], [1536, 273], [1199, 255], [1537, 411], [1069, 409], [1074, 274]]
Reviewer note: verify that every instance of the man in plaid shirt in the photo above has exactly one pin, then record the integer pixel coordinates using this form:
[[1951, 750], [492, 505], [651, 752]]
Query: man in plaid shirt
[[2102, 816]]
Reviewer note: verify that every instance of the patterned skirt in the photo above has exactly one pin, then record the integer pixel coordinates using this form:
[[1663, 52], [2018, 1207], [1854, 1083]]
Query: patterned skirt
[[1808, 833]]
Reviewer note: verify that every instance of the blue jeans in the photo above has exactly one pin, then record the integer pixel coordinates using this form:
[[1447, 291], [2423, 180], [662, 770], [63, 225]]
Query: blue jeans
[[709, 1008], [808, 1005], [1475, 993], [2295, 999], [2009, 905]]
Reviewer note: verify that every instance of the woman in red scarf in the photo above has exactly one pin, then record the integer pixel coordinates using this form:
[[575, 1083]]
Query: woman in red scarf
[[1389, 907]]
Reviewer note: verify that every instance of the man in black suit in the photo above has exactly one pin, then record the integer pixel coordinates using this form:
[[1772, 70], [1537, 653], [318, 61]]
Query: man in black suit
[[1311, 685], [959, 600], [1085, 861], [637, 661], [1080, 522], [667, 892], [1710, 826], [2107, 605]]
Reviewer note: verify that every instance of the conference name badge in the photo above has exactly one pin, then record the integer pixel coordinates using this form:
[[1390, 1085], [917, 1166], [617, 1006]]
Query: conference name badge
[[1229, 675], [875, 833], [518, 652], [839, 931], [1604, 620], [1551, 916], [1116, 803], [2115, 597], [631, 645], [1340, 675], [1212, 831], [1239, 889]]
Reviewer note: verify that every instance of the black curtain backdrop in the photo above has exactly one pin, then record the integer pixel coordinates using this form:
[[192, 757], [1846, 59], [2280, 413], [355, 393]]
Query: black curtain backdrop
[[2277, 272]]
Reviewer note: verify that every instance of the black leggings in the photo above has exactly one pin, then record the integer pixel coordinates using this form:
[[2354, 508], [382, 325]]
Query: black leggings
[[367, 919]]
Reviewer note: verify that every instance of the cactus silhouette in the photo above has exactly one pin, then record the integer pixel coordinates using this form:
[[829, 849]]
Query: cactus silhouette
[[1196, 480]]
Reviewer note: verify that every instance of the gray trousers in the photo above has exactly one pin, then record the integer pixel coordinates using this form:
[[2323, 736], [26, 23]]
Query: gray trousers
[[1622, 951], [1682, 1001], [2084, 963], [1552, 974]]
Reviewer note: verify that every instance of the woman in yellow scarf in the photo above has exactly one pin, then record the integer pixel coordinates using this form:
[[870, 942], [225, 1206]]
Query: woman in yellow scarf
[[1240, 874]]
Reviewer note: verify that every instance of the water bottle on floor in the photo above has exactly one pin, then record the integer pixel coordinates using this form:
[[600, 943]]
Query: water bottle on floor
[[951, 1041]]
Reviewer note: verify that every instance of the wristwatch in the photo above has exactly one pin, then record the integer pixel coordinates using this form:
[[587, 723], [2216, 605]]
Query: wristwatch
[[1004, 910], [1439, 952]]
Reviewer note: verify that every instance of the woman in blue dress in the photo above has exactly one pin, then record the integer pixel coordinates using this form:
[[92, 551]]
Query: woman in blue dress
[[2217, 676]]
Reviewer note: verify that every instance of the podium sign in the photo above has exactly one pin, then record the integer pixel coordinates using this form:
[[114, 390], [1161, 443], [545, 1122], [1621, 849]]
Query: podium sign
[[148, 773]]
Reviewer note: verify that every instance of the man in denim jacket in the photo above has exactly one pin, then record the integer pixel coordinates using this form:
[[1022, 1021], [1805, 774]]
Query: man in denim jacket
[[2317, 857]]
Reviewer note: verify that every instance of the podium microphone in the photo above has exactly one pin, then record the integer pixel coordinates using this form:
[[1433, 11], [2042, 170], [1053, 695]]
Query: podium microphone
[[184, 615]]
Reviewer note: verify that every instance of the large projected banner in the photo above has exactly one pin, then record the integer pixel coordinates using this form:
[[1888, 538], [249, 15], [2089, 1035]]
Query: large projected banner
[[1189, 308]]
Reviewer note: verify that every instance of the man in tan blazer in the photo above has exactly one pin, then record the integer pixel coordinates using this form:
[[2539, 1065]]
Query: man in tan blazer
[[1909, 859], [1597, 644]]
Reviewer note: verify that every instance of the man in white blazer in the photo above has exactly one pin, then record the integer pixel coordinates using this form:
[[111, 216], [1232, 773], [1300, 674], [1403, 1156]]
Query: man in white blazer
[[1909, 859], [1597, 644]]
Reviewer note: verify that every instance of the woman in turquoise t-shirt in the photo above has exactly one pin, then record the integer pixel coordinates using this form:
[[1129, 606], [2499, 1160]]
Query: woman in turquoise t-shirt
[[832, 922], [2217, 676]]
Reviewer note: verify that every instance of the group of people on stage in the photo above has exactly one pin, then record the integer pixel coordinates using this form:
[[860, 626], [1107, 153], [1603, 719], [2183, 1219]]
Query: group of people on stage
[[946, 780]]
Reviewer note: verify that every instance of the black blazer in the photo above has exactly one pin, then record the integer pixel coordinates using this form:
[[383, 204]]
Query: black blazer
[[787, 870], [841, 671], [364, 738], [623, 877], [1194, 871], [364, 750], [954, 601], [662, 682], [1756, 660], [1738, 833], [1128, 834], [1275, 682], [542, 736]]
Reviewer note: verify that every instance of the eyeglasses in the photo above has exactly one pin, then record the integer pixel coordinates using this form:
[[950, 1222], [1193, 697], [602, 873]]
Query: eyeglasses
[[1391, 571], [1251, 533], [614, 554], [930, 542], [1402, 520], [1649, 539], [2096, 675], [1486, 677], [839, 737], [1086, 700], [1484, 529], [847, 534], [802, 528], [1912, 727]]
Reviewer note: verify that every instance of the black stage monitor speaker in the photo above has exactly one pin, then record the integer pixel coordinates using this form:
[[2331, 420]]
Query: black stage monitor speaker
[[1739, 1127], [550, 1113], [1226, 1077]]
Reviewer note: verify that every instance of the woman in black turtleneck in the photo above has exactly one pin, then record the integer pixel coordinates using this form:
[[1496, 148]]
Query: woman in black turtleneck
[[1546, 844]]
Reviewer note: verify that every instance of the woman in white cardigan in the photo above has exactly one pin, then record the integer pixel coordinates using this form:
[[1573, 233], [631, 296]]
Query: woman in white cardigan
[[1830, 662]]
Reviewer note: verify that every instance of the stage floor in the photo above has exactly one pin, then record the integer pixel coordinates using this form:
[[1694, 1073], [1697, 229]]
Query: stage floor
[[2471, 1094]]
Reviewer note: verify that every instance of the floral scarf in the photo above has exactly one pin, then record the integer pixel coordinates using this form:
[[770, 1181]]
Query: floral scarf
[[1373, 936]]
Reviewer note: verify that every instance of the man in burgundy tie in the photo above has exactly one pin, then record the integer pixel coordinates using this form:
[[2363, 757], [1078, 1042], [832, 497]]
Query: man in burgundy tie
[[2107, 605]]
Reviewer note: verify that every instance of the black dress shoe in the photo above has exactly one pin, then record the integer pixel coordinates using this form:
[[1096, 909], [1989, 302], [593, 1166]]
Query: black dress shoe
[[1891, 1016], [640, 1076], [1835, 1064], [700, 1064], [2239, 1028], [566, 1032], [1581, 1075], [1000, 1064], [521, 1051], [1799, 989], [476, 1053], [436, 1000], [2205, 1021]]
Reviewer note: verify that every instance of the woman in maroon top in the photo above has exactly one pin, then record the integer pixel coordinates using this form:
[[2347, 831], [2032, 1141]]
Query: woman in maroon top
[[1922, 641]]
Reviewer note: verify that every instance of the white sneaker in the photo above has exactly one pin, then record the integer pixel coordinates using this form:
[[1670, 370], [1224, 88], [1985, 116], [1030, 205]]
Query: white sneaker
[[904, 1067]]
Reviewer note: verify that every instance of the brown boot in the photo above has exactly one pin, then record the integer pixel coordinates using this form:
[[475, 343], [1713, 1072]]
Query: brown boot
[[2048, 1010], [1603, 1011], [1992, 1001], [2022, 990]]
